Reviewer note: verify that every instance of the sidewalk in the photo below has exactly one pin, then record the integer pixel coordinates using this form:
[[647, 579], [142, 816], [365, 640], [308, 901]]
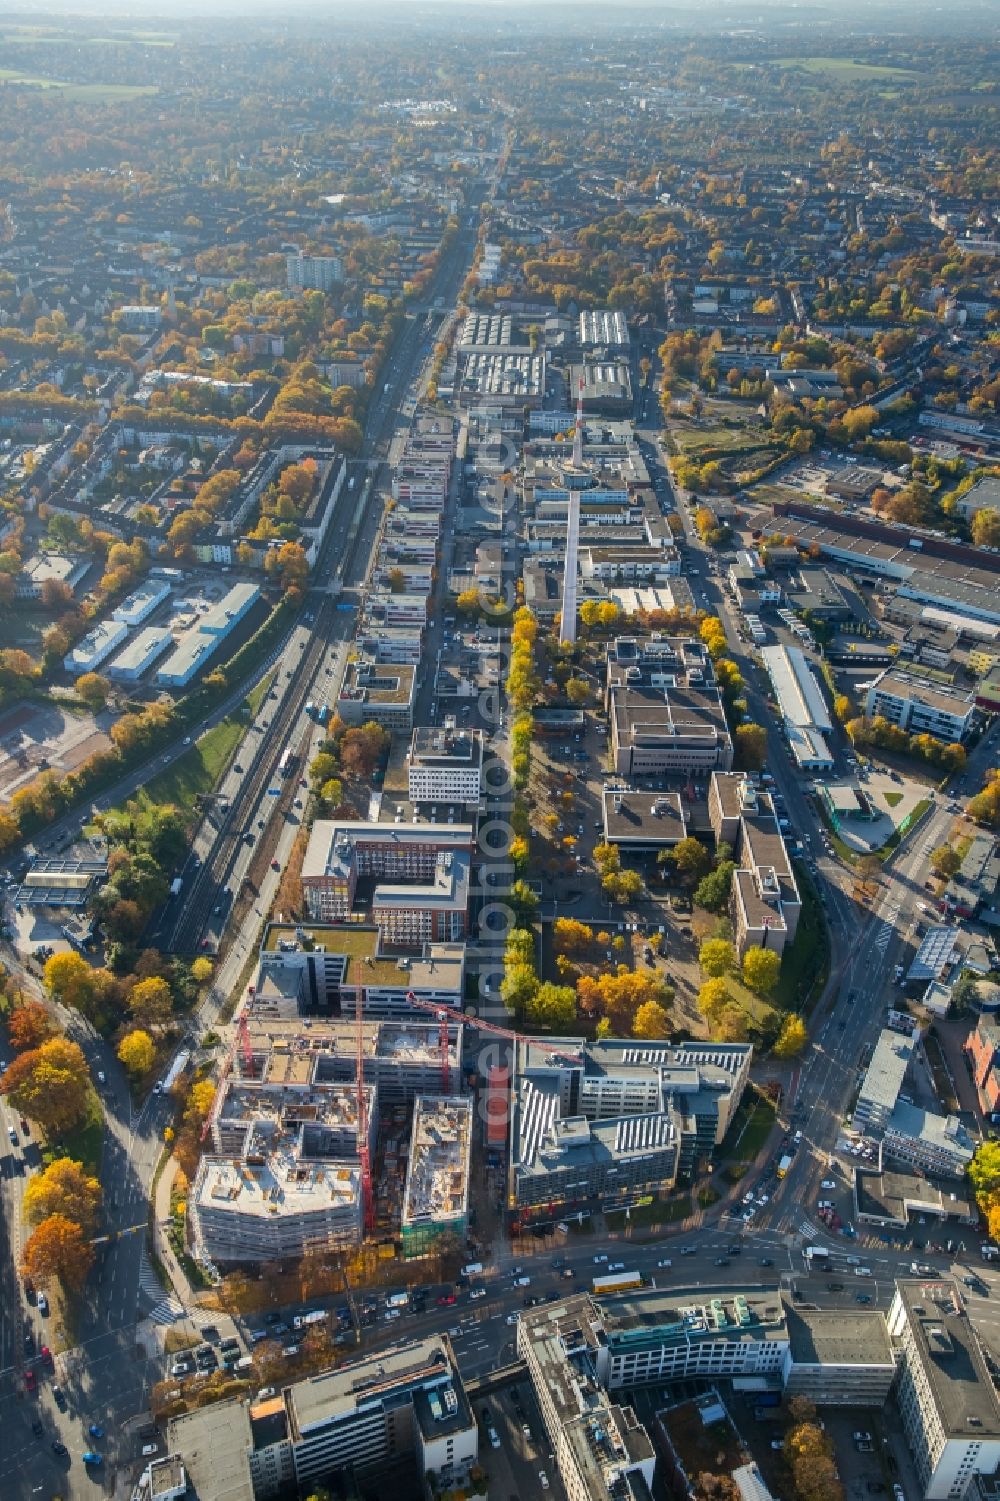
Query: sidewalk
[[161, 1244]]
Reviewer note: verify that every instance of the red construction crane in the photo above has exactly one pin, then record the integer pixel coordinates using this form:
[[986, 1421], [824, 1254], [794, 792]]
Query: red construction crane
[[364, 1151], [447, 1014]]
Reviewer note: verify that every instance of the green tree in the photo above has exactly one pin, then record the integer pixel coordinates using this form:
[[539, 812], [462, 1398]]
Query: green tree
[[57, 1248], [751, 746], [946, 861], [712, 891], [50, 1084], [552, 1007], [984, 1173], [65, 1188], [518, 986]]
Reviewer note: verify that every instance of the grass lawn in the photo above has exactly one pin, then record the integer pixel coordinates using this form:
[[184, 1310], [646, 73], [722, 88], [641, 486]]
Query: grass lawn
[[755, 1130], [690, 440], [843, 68], [197, 771], [892, 799], [84, 1142], [660, 1212], [806, 962], [88, 91]]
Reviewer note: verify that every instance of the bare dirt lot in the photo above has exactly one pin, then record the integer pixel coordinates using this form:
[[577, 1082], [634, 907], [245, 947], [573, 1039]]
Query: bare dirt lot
[[36, 736]]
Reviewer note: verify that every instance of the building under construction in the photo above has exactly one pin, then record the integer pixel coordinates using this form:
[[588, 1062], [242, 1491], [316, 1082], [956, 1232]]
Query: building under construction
[[436, 1202], [291, 1135]]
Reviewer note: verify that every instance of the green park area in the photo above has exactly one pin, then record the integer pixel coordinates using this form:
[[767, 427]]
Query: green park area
[[843, 68]]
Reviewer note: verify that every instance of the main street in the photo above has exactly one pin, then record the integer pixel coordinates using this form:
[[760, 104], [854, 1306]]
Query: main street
[[105, 1376]]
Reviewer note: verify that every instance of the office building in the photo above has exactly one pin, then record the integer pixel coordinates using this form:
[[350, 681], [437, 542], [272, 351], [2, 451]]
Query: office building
[[764, 899], [680, 1334], [379, 693], [410, 914], [317, 272], [946, 1397], [837, 1357], [609, 1122], [405, 1406], [436, 1198], [665, 711], [921, 707], [316, 970], [883, 1080], [445, 766], [340, 854], [919, 1138], [602, 1452]]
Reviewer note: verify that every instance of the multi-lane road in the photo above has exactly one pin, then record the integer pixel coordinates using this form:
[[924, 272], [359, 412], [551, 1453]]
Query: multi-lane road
[[104, 1375]]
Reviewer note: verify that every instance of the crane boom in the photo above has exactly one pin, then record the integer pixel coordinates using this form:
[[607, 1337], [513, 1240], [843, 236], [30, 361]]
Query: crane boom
[[451, 1013]]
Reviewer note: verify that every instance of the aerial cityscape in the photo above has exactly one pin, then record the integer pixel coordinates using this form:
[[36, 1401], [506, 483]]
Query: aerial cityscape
[[499, 783]]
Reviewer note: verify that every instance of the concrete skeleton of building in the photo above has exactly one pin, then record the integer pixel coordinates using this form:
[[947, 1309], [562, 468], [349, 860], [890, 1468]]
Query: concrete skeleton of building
[[436, 1198], [404, 1405], [423, 873], [609, 1122], [283, 1176]]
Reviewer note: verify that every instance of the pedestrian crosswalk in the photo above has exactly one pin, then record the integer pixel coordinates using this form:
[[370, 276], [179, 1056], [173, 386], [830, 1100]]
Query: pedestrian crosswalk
[[166, 1309], [886, 927]]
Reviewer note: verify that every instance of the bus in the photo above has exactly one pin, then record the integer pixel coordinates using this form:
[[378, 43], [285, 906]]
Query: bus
[[616, 1282], [287, 762]]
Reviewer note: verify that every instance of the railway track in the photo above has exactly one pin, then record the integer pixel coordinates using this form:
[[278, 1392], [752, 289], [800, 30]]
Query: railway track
[[214, 873]]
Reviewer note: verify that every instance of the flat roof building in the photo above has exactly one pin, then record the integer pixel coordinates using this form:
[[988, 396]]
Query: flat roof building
[[602, 1452], [883, 1080], [379, 692], [921, 707], [95, 647], [317, 970], [142, 602], [764, 897], [801, 702], [838, 1357], [403, 1405], [946, 1396], [194, 650], [445, 766], [608, 1122], [340, 854], [145, 648], [661, 724]]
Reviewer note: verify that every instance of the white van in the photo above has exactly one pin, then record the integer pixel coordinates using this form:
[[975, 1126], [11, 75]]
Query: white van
[[473, 1269]]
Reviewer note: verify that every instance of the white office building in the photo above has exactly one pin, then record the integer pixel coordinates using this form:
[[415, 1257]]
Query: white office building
[[946, 1397], [446, 766]]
